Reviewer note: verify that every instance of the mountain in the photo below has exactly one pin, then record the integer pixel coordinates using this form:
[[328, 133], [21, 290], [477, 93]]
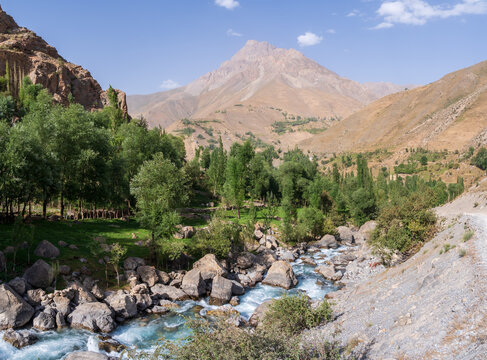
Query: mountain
[[23, 53], [264, 77], [450, 113]]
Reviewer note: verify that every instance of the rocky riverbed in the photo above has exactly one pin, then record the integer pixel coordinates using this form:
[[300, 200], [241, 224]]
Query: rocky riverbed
[[153, 302]]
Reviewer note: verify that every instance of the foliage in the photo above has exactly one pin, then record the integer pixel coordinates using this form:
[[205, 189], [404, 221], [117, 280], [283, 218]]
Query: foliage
[[480, 159], [117, 253]]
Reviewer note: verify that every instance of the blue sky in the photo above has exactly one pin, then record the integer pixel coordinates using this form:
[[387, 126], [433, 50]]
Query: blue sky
[[146, 45]]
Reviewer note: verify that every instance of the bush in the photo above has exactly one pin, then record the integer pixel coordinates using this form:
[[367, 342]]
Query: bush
[[292, 314], [468, 235], [480, 159]]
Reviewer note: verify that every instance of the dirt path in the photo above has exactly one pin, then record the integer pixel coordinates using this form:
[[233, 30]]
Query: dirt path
[[433, 306]]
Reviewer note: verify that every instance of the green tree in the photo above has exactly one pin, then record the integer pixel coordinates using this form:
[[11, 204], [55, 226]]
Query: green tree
[[117, 253]]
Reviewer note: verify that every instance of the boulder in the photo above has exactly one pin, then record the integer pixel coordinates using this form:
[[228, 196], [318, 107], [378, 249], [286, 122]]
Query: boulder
[[281, 274], [259, 313], [148, 274], [169, 292], [124, 305], [14, 311], [62, 305], [109, 345], [327, 242], [86, 355], [92, 316], [97, 292], [44, 321], [221, 290], [193, 284], [132, 263], [60, 321], [19, 285], [209, 267], [345, 235], [39, 275], [46, 250], [287, 256], [246, 260], [159, 310], [35, 296], [185, 232], [163, 277], [81, 294], [143, 301], [328, 272], [271, 242], [3, 262], [237, 288], [367, 229], [168, 304], [258, 234], [19, 339], [64, 270]]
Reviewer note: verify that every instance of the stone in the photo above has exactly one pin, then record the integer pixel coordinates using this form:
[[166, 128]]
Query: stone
[[19, 285], [46, 250], [73, 247], [64, 270], [281, 274], [163, 277], [246, 260], [97, 292], [19, 339], [109, 345], [308, 261], [86, 355], [169, 292], [258, 314], [39, 275], [60, 321], [92, 316], [148, 275], [271, 242], [345, 235], [132, 263], [234, 301], [287, 256], [237, 288], [81, 294], [327, 242], [258, 234], [368, 228], [3, 262], [221, 290], [168, 304], [159, 310], [124, 305], [209, 267], [62, 305], [224, 311], [14, 311], [143, 301], [328, 272], [193, 284], [35, 296], [62, 243], [185, 232], [44, 321]]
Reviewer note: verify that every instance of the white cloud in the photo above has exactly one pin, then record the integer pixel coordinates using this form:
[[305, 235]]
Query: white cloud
[[331, 31], [169, 84], [419, 12], [228, 4], [230, 32], [354, 12], [309, 39]]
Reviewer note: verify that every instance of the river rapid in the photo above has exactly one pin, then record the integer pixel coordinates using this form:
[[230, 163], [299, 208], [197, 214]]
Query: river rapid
[[144, 332]]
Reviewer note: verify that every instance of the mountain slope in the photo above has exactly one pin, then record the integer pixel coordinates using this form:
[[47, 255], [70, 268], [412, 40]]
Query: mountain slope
[[23, 53], [261, 75], [449, 113]]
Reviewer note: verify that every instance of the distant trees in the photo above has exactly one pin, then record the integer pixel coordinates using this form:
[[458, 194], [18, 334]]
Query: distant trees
[[480, 159]]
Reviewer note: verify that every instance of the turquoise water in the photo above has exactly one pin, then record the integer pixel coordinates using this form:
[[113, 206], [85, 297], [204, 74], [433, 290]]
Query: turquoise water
[[144, 332]]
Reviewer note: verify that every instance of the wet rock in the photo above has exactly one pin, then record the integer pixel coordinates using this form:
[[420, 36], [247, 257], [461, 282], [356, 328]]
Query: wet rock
[[234, 301], [132, 263], [14, 311], [209, 267], [19, 339], [193, 284], [108, 345], [46, 250], [60, 321], [308, 261], [39, 275], [44, 321], [123, 304], [168, 304], [159, 310], [148, 275], [19, 285], [237, 288], [328, 272], [259, 313], [92, 316], [221, 290], [169, 292], [86, 355], [281, 274], [327, 242]]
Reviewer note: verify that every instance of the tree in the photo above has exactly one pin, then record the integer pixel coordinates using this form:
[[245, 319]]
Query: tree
[[423, 160], [216, 170], [117, 253], [235, 183], [480, 159]]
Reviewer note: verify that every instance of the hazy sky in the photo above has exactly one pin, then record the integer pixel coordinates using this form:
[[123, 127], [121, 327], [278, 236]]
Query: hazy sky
[[146, 46]]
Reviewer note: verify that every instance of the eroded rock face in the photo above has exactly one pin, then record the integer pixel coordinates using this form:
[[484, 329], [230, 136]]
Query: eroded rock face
[[14, 311], [92, 316], [209, 267], [29, 55], [281, 274], [39, 275]]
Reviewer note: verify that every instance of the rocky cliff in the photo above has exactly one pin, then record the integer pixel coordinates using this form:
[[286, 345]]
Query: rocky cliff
[[23, 53]]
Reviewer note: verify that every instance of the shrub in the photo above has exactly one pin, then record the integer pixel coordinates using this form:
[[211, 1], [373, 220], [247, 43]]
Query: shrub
[[292, 314], [468, 235], [480, 159]]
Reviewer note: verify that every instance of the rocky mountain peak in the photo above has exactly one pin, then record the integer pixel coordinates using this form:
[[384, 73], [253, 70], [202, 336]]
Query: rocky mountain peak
[[7, 23]]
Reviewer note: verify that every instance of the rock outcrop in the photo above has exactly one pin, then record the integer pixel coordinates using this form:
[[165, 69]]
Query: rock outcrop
[[26, 54]]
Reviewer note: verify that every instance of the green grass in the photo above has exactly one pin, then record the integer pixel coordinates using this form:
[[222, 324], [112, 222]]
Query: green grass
[[468, 235], [82, 234]]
